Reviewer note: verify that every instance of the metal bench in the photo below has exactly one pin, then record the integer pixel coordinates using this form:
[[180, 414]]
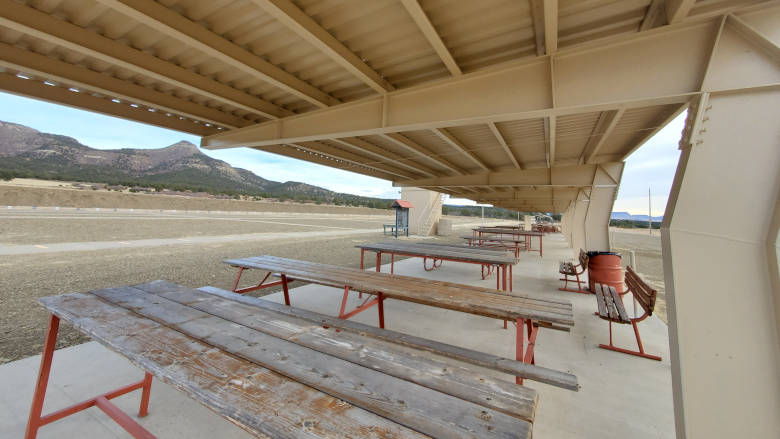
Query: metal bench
[[569, 270], [281, 374], [611, 308], [527, 312]]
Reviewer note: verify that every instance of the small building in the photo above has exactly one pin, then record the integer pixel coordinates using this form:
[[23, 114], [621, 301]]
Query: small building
[[401, 218]]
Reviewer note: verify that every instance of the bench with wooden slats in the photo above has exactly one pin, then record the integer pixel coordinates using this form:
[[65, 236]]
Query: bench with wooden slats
[[280, 375], [531, 311], [610, 307], [569, 269]]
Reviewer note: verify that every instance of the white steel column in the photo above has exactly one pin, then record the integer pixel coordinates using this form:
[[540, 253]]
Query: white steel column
[[720, 237], [602, 198]]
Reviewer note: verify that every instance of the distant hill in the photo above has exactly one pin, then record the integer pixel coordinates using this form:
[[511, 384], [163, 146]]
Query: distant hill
[[628, 216], [26, 152]]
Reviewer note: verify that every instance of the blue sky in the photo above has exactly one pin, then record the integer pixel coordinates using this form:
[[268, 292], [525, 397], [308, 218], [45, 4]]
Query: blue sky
[[652, 166]]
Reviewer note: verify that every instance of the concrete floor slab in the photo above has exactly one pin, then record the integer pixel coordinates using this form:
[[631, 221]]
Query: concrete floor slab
[[621, 396]]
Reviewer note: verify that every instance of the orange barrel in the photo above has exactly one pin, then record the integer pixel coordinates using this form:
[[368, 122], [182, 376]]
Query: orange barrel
[[605, 268]]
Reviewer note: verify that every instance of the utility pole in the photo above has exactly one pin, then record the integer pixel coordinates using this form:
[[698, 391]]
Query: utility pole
[[649, 212]]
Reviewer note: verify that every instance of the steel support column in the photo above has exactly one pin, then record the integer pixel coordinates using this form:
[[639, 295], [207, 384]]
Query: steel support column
[[719, 232]]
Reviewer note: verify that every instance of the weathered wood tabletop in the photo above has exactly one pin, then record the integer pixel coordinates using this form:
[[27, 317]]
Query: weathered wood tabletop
[[280, 372], [458, 297]]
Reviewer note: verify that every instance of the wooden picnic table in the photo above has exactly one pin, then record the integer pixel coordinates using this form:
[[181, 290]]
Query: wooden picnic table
[[527, 312], [480, 232], [512, 243], [282, 372], [489, 260]]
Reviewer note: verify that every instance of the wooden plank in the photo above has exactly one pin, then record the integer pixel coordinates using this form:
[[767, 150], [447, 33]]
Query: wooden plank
[[621, 310], [486, 303], [494, 238], [500, 364], [393, 359], [416, 289], [611, 311], [256, 399], [600, 302], [424, 410]]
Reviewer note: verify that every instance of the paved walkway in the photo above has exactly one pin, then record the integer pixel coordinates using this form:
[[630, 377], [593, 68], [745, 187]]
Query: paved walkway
[[621, 396]]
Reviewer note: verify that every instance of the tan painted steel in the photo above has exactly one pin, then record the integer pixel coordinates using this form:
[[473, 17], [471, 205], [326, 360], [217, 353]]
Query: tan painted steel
[[530, 105]]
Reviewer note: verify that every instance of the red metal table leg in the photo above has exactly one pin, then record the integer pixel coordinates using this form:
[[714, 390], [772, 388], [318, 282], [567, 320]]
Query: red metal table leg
[[344, 302], [498, 281], [146, 392], [381, 307], [238, 278], [392, 263], [503, 277], [519, 344], [510, 278], [35, 421], [362, 253], [286, 290], [540, 246], [378, 261]]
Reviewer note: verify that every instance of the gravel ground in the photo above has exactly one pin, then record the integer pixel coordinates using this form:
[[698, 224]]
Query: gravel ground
[[26, 278], [21, 228], [648, 260]]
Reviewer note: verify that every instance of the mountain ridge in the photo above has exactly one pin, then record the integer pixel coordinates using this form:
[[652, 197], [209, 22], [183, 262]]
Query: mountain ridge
[[27, 152]]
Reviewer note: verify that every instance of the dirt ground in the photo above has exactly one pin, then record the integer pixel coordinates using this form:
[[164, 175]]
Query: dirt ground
[[28, 192], [649, 262]]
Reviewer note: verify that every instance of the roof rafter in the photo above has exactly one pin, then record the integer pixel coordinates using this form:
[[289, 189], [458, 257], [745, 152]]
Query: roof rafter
[[63, 72], [502, 141], [426, 27], [558, 176], [545, 19], [44, 26], [677, 10], [301, 154], [86, 101], [405, 143], [607, 122], [299, 22], [321, 148], [655, 16], [170, 22], [361, 146], [455, 143], [550, 137]]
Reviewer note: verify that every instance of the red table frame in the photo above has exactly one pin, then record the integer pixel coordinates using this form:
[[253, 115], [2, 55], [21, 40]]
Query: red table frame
[[36, 421]]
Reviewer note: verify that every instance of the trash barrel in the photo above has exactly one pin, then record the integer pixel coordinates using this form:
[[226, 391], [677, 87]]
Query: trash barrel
[[605, 268]]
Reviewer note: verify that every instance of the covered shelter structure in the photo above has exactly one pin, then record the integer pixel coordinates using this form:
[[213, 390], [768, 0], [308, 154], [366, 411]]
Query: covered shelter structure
[[528, 105]]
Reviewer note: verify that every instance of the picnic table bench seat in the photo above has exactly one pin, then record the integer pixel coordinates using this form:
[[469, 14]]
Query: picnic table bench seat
[[281, 375], [484, 233], [610, 308]]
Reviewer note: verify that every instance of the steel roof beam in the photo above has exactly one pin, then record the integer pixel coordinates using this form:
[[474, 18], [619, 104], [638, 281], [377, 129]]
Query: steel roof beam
[[85, 101], [502, 141], [413, 147], [41, 25], [557, 176], [299, 22], [349, 157], [589, 78], [426, 27], [170, 22], [606, 123], [62, 72], [455, 143], [362, 147]]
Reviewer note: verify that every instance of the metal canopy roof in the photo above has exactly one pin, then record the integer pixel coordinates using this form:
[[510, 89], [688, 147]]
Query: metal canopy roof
[[511, 102]]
